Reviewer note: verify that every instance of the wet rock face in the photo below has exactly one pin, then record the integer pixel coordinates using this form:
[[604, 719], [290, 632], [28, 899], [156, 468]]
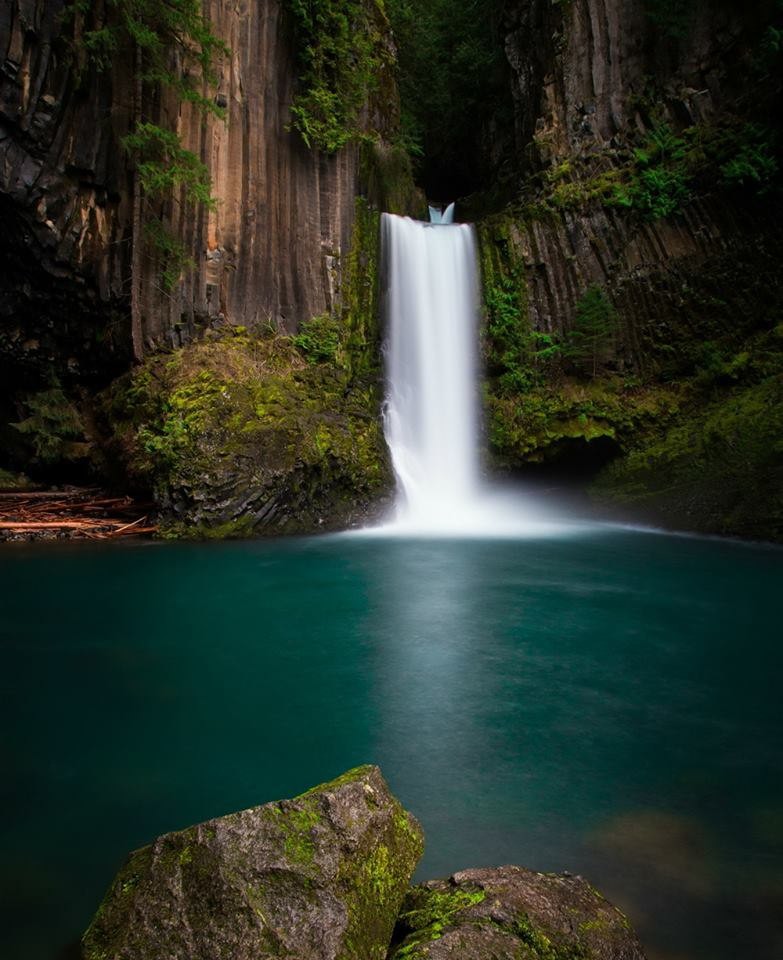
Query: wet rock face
[[315, 878], [509, 913]]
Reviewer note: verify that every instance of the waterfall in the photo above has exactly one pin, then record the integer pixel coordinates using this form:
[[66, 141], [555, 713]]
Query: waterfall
[[431, 416]]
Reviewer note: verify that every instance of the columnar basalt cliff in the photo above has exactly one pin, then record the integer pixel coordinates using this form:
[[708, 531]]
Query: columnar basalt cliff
[[269, 253], [648, 189], [580, 68], [289, 236], [591, 80]]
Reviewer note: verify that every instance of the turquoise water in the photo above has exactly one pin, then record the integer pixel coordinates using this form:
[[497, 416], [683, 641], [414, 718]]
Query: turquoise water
[[607, 703]]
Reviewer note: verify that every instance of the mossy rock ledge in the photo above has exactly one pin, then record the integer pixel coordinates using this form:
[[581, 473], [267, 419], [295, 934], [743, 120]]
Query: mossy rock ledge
[[509, 913], [238, 435], [320, 877]]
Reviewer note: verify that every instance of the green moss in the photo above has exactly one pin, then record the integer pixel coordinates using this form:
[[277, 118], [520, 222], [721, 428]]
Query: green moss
[[13, 481], [536, 425], [430, 913], [299, 845], [350, 776], [720, 469], [425, 908], [360, 294], [246, 419], [378, 878]]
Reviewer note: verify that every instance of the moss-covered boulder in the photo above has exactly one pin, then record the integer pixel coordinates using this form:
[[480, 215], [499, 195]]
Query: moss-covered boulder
[[509, 913], [241, 434], [319, 877]]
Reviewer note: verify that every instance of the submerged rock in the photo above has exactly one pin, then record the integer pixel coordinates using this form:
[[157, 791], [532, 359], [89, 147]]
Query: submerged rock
[[509, 913], [315, 878]]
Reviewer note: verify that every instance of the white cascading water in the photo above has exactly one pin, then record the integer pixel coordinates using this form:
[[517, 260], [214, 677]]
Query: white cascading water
[[432, 409]]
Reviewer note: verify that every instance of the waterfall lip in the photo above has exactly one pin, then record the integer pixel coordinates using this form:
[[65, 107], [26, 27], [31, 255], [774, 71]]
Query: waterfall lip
[[441, 216]]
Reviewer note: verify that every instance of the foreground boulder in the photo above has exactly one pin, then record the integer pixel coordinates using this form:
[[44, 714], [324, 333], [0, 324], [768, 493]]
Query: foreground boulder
[[315, 878], [509, 913]]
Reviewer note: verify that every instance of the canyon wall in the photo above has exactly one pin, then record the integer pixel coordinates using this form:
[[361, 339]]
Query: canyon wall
[[269, 253], [632, 286], [591, 79]]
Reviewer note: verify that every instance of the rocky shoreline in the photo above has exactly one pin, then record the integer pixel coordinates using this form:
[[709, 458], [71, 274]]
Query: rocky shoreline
[[326, 876]]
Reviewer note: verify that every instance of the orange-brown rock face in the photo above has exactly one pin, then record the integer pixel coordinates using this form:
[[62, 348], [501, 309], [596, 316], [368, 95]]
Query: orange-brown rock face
[[269, 253]]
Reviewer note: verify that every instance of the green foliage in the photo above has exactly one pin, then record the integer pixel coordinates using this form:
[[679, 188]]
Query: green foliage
[[672, 17], [341, 51], [668, 168], [516, 350], [753, 163], [163, 164], [175, 48], [157, 29], [717, 366], [13, 481], [517, 356], [452, 74], [720, 469], [319, 339], [52, 424], [594, 325], [659, 180], [171, 252]]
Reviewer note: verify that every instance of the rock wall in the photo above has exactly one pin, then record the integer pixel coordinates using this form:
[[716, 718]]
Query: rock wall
[[711, 267], [639, 124], [268, 254], [579, 67], [591, 78]]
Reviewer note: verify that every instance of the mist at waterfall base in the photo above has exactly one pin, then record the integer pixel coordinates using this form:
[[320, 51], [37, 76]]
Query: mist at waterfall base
[[432, 418]]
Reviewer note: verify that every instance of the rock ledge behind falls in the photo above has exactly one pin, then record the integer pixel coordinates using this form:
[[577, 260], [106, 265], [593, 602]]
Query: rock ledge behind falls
[[319, 877]]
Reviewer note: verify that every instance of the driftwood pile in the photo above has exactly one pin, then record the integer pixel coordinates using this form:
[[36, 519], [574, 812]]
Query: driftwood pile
[[73, 513]]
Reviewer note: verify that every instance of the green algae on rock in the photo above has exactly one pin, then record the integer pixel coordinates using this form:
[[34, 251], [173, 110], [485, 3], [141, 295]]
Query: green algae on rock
[[509, 913], [241, 435], [319, 877]]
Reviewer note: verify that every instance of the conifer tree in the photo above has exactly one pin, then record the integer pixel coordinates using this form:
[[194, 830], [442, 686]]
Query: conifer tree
[[594, 325]]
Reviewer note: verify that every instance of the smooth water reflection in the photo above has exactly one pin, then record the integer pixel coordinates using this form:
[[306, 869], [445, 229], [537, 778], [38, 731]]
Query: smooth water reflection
[[605, 703]]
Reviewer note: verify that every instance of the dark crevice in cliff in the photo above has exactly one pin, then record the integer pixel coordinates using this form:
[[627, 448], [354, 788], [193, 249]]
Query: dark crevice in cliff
[[457, 109]]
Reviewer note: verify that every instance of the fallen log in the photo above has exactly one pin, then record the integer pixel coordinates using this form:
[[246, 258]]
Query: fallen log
[[44, 524], [127, 526], [44, 494]]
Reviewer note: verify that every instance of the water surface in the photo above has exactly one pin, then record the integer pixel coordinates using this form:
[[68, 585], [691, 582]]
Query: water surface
[[607, 703]]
